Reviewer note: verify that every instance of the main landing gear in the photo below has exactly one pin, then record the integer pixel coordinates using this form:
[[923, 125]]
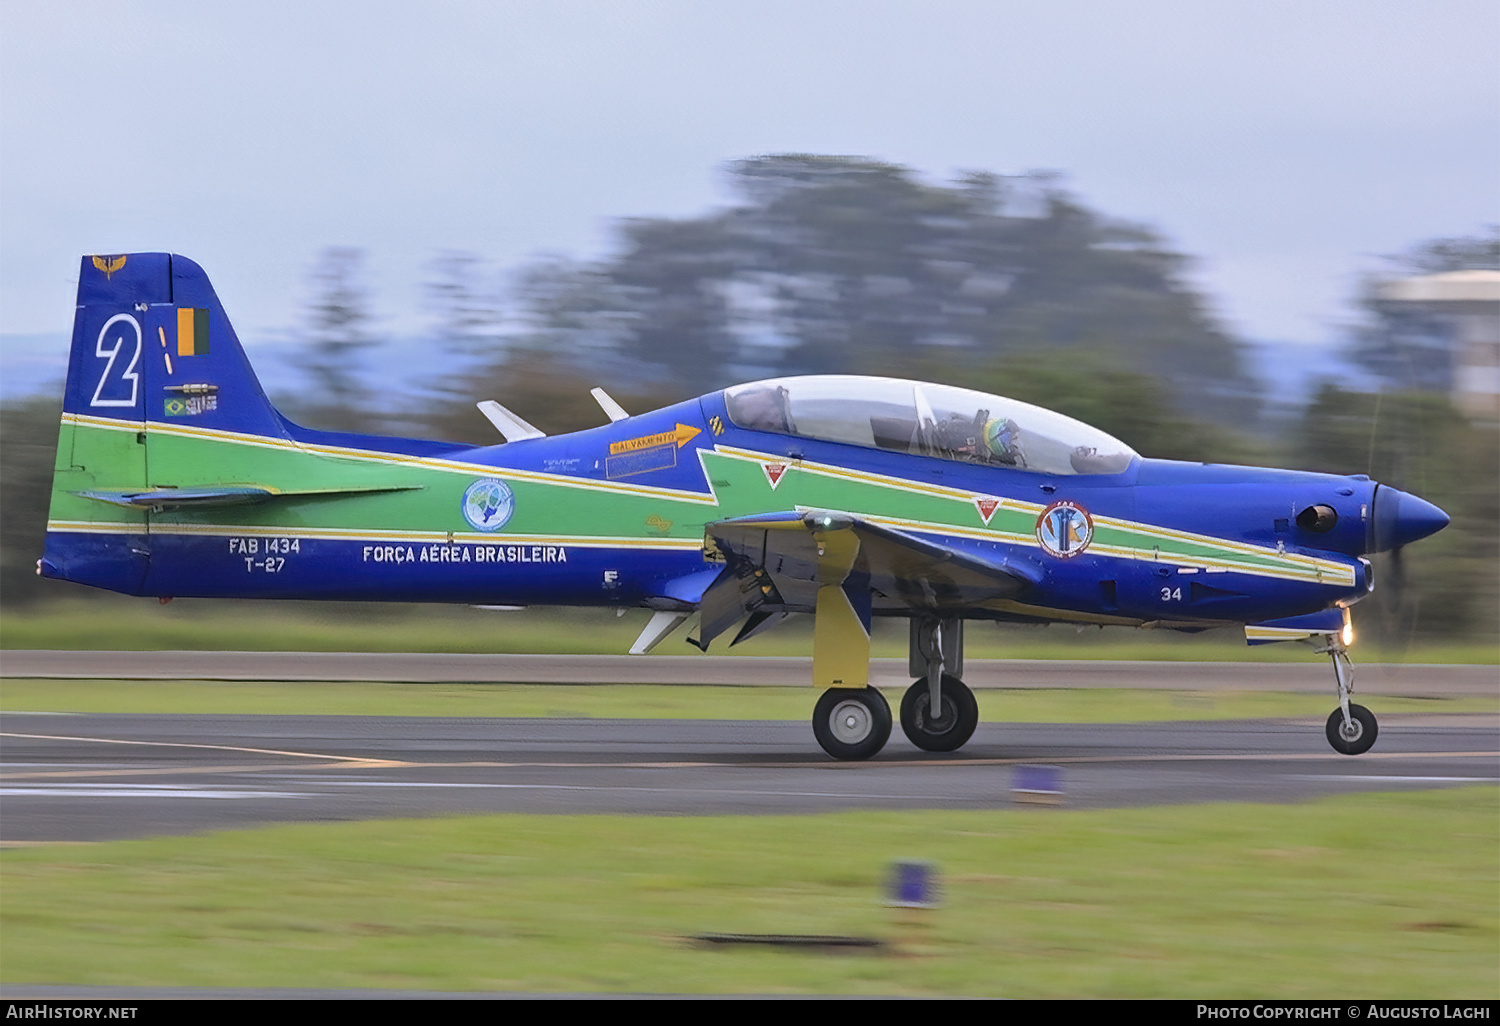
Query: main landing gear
[[852, 723], [1351, 728], [938, 712], [951, 726]]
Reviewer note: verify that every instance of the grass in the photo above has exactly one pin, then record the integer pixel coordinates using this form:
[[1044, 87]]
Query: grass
[[113, 622], [646, 701], [1383, 896], [1380, 896]]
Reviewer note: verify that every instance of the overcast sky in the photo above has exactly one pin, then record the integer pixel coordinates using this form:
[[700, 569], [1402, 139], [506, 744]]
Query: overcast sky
[[1283, 144]]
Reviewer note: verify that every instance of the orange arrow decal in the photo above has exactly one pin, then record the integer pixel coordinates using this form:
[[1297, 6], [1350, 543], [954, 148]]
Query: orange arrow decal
[[681, 436]]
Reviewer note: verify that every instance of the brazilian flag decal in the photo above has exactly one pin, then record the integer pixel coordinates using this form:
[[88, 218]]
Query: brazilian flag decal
[[192, 332]]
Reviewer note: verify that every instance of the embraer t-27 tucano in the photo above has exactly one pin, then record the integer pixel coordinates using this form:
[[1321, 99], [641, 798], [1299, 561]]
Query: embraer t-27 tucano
[[844, 497]]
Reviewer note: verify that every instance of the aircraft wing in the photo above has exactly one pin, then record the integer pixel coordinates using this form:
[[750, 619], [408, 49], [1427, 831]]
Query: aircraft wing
[[779, 562]]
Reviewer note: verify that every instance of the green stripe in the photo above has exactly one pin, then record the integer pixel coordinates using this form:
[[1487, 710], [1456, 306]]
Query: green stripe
[[549, 505], [200, 332]]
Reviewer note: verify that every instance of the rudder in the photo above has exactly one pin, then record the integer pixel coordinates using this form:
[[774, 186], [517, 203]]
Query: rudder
[[153, 354]]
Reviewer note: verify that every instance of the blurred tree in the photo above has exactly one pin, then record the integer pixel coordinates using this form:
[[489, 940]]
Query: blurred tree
[[28, 446], [1419, 442], [1480, 251], [845, 265], [337, 332], [467, 304], [551, 392], [575, 314], [468, 309], [674, 276], [1412, 345], [1134, 407]]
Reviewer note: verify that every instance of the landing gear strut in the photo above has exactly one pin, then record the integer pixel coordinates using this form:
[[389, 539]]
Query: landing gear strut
[[938, 712], [1351, 728]]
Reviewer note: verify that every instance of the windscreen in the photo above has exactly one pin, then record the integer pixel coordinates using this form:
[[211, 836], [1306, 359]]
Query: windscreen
[[927, 420]]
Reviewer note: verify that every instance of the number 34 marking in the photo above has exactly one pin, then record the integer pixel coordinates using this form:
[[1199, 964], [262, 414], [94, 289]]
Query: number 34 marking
[[1171, 594]]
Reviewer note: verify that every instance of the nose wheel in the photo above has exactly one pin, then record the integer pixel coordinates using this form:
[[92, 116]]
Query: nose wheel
[[1351, 728], [1354, 737], [852, 723]]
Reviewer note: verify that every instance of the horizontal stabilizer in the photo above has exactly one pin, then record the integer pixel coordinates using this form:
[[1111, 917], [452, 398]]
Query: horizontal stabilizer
[[219, 496]]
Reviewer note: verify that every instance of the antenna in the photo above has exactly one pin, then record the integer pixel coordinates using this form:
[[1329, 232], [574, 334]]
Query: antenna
[[611, 408], [508, 424]]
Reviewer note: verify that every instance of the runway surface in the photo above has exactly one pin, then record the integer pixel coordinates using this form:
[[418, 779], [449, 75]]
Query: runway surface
[[89, 777], [85, 777]]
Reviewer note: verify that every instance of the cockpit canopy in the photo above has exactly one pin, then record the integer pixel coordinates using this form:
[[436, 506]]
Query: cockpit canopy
[[926, 420]]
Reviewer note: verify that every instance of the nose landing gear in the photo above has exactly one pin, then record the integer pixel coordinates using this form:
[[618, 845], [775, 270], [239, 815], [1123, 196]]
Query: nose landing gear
[[1351, 728], [1354, 737]]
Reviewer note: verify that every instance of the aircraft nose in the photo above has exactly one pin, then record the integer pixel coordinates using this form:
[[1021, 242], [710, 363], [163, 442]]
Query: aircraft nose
[[1401, 518]]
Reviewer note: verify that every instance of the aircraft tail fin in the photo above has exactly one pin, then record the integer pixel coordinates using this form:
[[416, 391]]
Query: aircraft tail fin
[[163, 418], [151, 342], [155, 368]]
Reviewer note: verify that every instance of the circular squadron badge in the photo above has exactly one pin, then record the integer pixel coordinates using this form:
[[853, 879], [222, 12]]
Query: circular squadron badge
[[1065, 529], [488, 504]]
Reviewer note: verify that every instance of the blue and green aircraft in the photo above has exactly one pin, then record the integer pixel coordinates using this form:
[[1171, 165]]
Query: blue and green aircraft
[[837, 496]]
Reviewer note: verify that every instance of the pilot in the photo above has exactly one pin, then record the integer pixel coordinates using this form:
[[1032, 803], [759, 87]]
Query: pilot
[[1002, 436], [763, 408]]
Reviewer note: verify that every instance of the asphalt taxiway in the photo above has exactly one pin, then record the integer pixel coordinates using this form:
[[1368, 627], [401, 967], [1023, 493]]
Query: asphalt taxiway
[[86, 777], [96, 777]]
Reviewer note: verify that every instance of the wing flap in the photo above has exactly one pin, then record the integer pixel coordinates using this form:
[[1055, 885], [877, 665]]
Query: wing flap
[[799, 547]]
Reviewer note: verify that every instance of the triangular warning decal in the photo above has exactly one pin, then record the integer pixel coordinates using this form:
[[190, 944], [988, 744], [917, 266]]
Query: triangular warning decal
[[774, 472], [986, 506]]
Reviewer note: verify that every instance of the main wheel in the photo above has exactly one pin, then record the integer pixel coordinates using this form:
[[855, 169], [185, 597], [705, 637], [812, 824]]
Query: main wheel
[[947, 732], [1355, 739], [852, 723]]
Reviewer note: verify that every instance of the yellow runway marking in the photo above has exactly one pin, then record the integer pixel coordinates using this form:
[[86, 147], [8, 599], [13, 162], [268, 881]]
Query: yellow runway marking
[[359, 762], [351, 759]]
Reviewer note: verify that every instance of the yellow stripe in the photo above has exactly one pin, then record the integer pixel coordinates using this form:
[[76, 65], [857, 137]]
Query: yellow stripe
[[1295, 566], [967, 496], [400, 459], [376, 535], [1102, 619], [845, 473], [1292, 566], [1254, 631]]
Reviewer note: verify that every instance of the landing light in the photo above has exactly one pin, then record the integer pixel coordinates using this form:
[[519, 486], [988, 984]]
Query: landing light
[[1347, 635]]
